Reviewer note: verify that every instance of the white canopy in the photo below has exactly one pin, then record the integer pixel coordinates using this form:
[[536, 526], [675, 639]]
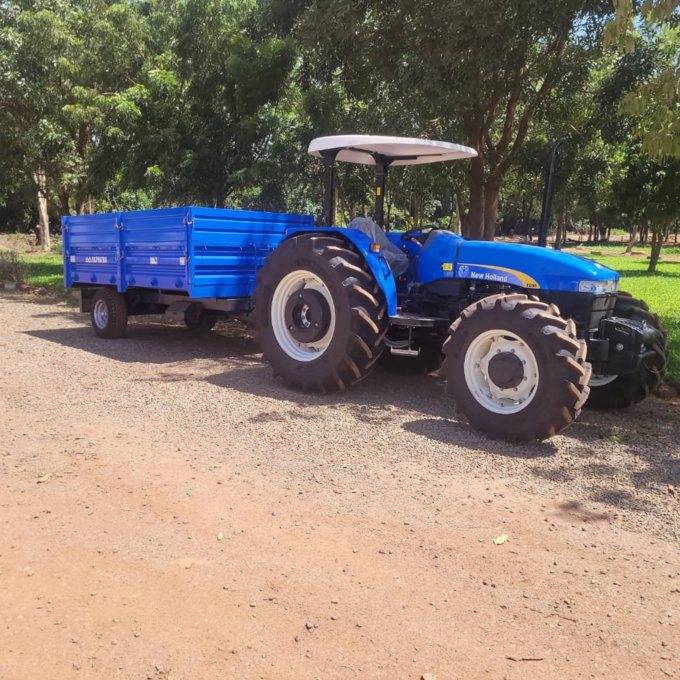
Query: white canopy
[[397, 150]]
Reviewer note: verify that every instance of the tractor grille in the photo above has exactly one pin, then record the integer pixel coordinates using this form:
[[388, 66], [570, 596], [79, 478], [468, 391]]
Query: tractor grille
[[585, 309]]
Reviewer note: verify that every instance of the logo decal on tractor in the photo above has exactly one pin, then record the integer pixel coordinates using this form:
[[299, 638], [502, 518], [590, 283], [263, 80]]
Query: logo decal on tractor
[[483, 272], [447, 266]]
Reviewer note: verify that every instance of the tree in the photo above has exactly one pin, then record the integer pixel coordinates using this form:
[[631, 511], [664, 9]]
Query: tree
[[482, 69], [64, 65], [655, 100]]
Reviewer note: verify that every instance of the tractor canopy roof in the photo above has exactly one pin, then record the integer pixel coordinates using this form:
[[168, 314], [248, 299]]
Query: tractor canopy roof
[[371, 149]]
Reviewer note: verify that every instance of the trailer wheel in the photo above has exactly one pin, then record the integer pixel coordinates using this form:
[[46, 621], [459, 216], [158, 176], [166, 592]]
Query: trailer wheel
[[203, 323], [109, 314], [319, 314], [611, 392], [515, 368]]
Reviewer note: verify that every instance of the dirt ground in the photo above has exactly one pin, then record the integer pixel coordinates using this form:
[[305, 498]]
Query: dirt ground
[[168, 511]]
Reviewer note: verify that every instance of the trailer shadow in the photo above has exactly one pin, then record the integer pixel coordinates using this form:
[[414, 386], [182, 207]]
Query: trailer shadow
[[156, 343]]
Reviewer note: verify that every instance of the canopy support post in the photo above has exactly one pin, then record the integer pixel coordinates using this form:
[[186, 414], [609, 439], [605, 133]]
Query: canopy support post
[[382, 165], [329, 186]]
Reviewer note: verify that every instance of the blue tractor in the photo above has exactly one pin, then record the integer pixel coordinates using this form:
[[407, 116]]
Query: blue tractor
[[527, 335]]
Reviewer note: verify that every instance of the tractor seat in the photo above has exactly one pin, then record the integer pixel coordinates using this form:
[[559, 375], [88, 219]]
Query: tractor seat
[[397, 259]]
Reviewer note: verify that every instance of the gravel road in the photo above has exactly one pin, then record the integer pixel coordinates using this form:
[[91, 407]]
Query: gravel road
[[169, 510]]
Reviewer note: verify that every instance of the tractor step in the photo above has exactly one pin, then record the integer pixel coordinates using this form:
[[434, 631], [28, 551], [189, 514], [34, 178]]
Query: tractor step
[[414, 321], [405, 352]]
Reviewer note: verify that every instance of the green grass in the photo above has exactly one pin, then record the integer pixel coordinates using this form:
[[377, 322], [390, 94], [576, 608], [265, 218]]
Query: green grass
[[46, 271], [620, 248], [661, 291]]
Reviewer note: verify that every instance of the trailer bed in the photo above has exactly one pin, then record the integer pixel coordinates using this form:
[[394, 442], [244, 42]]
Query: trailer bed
[[201, 252]]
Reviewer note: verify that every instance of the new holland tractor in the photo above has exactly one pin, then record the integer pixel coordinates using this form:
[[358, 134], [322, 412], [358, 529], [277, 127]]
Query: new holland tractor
[[528, 335]]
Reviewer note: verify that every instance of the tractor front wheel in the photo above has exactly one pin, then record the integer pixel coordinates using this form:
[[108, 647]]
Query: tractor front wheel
[[319, 315], [515, 368]]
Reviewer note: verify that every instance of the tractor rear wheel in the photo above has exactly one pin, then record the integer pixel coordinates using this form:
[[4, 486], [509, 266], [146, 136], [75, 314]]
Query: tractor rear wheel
[[319, 315], [610, 392], [515, 368]]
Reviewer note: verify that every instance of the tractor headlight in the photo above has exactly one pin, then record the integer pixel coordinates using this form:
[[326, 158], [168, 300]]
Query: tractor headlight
[[598, 287]]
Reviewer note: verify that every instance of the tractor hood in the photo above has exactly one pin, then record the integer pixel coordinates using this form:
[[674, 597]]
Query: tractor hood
[[449, 256]]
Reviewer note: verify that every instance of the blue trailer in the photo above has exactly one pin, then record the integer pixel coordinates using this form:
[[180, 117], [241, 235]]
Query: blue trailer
[[526, 334]]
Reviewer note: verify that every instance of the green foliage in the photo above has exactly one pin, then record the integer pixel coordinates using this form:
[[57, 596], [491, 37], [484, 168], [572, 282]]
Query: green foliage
[[655, 101], [12, 266], [127, 105]]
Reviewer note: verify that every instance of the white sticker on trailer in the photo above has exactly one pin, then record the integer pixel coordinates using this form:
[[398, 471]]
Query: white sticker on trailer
[[73, 258], [96, 260], [153, 260], [182, 261]]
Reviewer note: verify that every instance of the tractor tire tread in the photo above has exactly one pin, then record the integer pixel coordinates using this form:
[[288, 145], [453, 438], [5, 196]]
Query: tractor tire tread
[[360, 342], [562, 398]]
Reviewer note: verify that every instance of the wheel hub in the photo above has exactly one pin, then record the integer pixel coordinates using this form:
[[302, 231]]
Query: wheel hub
[[303, 315], [501, 371], [505, 370], [307, 315], [101, 314]]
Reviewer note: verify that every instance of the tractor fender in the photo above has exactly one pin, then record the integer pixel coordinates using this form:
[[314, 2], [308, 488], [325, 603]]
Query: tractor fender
[[375, 261]]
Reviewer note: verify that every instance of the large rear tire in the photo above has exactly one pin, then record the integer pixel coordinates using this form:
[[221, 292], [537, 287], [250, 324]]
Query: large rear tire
[[109, 314], [319, 314], [609, 393], [515, 368]]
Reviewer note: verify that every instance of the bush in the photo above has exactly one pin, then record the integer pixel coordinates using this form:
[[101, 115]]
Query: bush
[[12, 267]]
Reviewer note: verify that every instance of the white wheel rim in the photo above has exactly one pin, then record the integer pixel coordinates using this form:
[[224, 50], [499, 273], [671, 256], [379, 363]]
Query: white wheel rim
[[101, 313], [601, 380], [497, 399], [290, 284]]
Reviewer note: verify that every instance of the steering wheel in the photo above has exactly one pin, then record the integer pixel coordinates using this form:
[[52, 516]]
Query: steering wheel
[[419, 235]]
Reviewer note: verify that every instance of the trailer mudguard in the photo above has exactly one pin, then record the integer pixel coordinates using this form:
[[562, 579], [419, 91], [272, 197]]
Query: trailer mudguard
[[376, 261]]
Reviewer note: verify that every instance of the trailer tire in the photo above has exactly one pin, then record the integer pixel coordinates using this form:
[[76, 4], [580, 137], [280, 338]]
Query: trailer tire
[[627, 390], [109, 314], [515, 368], [203, 324], [319, 315]]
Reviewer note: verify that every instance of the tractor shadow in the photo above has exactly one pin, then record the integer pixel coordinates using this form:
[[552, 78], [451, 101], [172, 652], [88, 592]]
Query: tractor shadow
[[383, 399], [621, 460], [624, 460]]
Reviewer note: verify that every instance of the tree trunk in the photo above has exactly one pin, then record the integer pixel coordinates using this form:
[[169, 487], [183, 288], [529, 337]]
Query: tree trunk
[[43, 217], [473, 226], [64, 207], [633, 239], [657, 241], [491, 192]]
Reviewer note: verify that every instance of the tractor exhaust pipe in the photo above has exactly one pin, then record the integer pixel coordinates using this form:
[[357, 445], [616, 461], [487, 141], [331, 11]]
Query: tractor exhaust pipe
[[547, 196]]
